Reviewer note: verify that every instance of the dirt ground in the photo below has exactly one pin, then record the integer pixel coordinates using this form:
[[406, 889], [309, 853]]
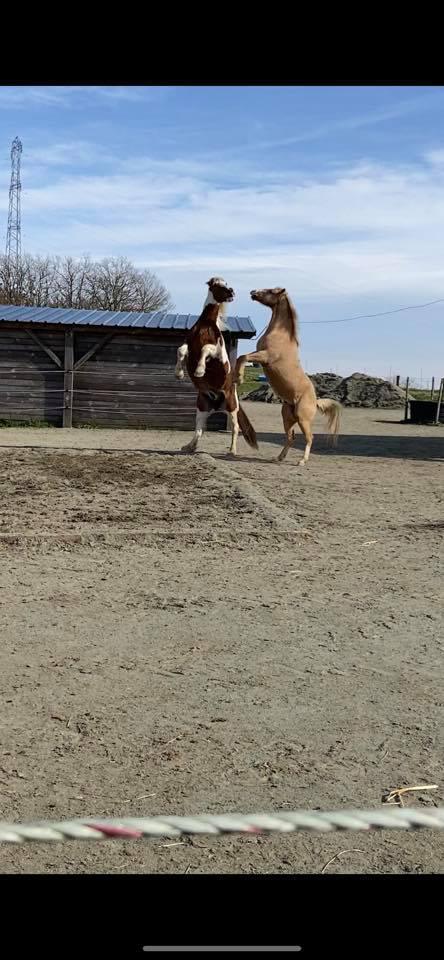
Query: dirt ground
[[191, 635]]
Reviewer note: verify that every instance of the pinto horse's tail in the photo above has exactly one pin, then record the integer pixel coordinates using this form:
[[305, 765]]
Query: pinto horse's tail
[[248, 431]]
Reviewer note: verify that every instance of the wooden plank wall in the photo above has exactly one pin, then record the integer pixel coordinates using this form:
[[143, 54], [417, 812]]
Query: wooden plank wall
[[131, 383], [31, 386]]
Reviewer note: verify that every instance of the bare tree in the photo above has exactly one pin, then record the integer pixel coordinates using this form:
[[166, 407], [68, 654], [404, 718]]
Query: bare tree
[[14, 281], [71, 282], [113, 285], [116, 284], [110, 284], [151, 292], [39, 281]]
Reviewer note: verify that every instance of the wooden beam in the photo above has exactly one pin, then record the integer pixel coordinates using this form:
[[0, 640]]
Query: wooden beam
[[406, 407], [69, 378], [55, 359], [440, 396], [97, 346]]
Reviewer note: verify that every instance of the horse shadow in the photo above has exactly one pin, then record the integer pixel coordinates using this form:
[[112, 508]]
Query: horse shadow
[[399, 447]]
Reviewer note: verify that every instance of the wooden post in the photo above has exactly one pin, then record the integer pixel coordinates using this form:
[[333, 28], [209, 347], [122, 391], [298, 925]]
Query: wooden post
[[406, 408], [68, 378], [433, 388], [438, 408], [397, 380]]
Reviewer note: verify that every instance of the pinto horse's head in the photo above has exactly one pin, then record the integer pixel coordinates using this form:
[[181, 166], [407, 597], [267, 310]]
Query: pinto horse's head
[[220, 290]]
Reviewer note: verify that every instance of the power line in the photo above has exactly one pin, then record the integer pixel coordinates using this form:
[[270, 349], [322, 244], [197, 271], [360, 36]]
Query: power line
[[385, 313]]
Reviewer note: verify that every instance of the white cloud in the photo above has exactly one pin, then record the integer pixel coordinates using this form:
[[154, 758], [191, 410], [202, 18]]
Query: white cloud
[[370, 230], [72, 153], [58, 96], [435, 157], [30, 96], [372, 118]]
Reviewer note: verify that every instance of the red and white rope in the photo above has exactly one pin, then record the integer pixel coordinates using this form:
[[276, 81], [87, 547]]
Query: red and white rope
[[138, 828]]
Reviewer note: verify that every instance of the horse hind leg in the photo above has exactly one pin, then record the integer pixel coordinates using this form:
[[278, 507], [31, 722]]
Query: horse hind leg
[[234, 433], [289, 419], [201, 421], [232, 407], [305, 426]]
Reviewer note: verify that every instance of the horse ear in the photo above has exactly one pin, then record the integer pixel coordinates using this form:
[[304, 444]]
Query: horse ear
[[209, 282], [281, 291]]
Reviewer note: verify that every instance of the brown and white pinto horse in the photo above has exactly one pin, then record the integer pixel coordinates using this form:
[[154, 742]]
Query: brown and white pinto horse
[[205, 356]]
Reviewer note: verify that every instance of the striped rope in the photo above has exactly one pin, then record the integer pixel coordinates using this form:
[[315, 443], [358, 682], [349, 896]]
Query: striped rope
[[137, 828]]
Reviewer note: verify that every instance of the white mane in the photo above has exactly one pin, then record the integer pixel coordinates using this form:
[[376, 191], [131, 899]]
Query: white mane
[[222, 306]]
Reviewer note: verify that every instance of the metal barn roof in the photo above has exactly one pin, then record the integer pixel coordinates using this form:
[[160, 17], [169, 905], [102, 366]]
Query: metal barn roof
[[240, 326]]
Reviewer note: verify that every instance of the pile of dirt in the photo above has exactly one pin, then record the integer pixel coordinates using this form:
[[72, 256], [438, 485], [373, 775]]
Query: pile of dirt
[[358, 390], [262, 394], [326, 384]]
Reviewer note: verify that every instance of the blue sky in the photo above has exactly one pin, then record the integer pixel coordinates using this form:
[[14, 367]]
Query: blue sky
[[336, 193]]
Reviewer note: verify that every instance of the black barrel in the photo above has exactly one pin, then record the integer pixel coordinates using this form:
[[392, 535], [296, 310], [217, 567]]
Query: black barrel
[[424, 411]]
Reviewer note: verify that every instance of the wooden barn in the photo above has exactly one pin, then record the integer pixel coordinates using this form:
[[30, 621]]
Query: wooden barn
[[100, 368]]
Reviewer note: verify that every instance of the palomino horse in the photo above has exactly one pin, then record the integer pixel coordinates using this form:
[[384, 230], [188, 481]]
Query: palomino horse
[[208, 366], [278, 353]]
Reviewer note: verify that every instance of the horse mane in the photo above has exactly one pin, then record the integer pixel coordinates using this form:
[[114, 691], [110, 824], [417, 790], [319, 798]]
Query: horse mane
[[222, 314], [292, 317]]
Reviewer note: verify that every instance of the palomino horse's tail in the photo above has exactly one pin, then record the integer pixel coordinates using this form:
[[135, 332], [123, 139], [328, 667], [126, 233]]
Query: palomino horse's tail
[[247, 428], [332, 410]]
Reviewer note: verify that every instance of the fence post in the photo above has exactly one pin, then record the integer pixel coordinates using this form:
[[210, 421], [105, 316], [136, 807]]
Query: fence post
[[406, 408], [433, 388], [68, 378], [397, 380], [438, 408]]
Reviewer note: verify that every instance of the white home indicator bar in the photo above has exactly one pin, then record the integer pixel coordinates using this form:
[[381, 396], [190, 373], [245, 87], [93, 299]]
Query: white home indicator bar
[[222, 949]]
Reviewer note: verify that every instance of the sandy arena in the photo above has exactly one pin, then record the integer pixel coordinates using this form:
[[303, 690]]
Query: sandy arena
[[192, 635]]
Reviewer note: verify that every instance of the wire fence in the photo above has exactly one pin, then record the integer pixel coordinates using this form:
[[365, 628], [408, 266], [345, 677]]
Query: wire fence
[[134, 394], [427, 384]]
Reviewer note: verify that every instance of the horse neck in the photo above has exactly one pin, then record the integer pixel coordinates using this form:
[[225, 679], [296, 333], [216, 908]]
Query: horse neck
[[282, 322], [209, 316], [220, 318]]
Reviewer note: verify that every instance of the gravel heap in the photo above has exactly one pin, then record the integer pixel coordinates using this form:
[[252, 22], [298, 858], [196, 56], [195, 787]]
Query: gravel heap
[[358, 390]]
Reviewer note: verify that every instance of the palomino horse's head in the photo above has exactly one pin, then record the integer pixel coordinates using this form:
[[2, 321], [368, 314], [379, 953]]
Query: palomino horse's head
[[283, 310], [269, 297], [220, 290]]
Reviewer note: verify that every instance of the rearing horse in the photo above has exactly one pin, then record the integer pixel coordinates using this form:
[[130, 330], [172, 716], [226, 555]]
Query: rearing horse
[[278, 353], [205, 357]]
